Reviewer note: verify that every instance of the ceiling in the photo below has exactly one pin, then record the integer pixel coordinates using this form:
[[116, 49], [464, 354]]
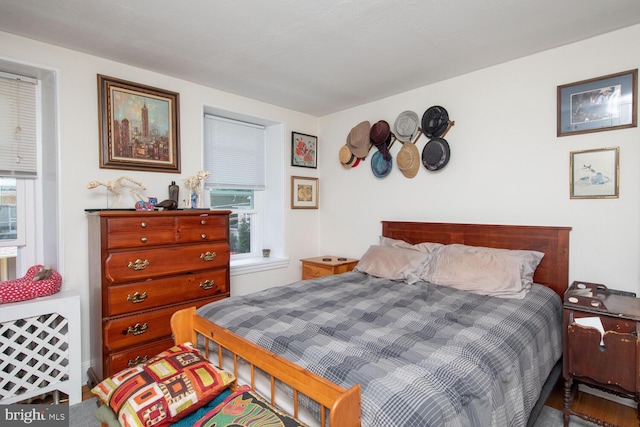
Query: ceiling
[[314, 56]]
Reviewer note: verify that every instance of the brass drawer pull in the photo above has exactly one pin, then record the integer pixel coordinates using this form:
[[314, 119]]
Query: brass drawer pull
[[137, 329], [204, 236], [138, 360], [137, 297], [207, 284], [143, 224], [143, 240], [138, 264], [203, 222], [209, 256]]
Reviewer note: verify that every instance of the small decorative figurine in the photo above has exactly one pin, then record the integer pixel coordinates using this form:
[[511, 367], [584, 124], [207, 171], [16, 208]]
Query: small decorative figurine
[[194, 185], [117, 186]]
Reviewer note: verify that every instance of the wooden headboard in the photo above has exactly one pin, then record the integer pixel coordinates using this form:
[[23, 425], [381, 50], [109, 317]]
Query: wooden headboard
[[553, 271]]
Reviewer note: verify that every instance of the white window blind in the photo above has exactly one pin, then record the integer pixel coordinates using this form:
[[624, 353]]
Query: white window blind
[[17, 126], [234, 154]]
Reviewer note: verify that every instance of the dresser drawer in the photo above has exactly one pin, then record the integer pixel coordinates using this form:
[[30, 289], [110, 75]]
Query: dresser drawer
[[156, 293], [149, 263], [140, 231], [136, 355], [203, 228], [137, 329], [314, 271]]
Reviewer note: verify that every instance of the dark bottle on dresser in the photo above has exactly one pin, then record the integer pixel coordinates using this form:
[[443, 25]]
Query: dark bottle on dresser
[[173, 191]]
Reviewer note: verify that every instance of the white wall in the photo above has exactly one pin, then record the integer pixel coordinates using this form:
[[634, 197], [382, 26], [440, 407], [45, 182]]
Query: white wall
[[507, 165], [78, 124]]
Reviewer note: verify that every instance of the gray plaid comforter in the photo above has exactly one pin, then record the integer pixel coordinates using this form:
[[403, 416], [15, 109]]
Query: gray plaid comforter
[[424, 355]]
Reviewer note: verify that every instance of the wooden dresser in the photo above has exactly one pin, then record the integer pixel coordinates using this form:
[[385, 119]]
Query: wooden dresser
[[143, 266]]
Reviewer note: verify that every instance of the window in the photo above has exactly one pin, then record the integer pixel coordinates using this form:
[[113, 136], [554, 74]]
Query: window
[[18, 165], [234, 153], [245, 158], [27, 117]]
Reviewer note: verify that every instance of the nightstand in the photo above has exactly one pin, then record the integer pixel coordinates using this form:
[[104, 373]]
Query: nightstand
[[601, 346], [326, 265]]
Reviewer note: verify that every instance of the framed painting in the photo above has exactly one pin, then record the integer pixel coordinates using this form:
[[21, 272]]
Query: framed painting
[[599, 104], [304, 150], [139, 126], [595, 174], [304, 192]]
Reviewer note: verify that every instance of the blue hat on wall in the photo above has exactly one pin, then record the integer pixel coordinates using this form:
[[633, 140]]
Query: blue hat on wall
[[380, 166]]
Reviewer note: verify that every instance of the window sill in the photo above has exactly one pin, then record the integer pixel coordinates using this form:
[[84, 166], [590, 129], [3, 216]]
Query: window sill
[[256, 265]]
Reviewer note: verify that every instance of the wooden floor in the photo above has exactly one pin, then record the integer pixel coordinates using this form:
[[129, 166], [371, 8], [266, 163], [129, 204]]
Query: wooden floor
[[604, 409]]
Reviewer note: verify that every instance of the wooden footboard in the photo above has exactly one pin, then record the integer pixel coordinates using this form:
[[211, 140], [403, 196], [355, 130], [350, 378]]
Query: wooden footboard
[[343, 405]]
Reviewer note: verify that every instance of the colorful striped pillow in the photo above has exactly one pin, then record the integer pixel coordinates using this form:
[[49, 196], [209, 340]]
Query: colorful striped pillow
[[168, 387]]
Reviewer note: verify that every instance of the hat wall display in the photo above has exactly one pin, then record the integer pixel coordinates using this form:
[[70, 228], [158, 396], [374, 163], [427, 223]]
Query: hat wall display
[[436, 154], [406, 126], [435, 122], [408, 160], [380, 136], [380, 166], [358, 140], [347, 159]]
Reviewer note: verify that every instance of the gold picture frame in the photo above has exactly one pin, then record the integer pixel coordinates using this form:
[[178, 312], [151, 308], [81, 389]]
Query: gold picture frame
[[595, 174], [304, 192], [139, 126]]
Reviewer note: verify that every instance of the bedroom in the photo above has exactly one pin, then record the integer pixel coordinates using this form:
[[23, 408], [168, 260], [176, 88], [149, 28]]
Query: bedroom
[[507, 164]]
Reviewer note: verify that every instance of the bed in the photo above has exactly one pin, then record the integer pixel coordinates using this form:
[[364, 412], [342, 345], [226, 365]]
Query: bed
[[365, 348], [420, 353]]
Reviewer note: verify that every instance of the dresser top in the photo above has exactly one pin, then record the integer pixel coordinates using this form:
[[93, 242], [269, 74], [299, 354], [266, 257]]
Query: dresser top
[[598, 299], [177, 212], [329, 260]]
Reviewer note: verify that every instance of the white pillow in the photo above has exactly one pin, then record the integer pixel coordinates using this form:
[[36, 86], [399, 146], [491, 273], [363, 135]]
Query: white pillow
[[486, 271], [393, 263]]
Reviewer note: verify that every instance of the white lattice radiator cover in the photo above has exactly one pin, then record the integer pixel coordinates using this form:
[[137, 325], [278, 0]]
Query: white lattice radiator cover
[[40, 348]]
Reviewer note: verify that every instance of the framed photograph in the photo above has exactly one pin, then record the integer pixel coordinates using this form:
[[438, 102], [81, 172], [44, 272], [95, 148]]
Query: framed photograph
[[595, 174], [304, 150], [599, 104], [139, 126], [304, 192]]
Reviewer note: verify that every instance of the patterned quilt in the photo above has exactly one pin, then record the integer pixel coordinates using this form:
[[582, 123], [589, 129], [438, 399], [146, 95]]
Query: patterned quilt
[[424, 355]]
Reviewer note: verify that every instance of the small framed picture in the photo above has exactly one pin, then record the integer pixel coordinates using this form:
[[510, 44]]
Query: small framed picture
[[595, 173], [304, 150], [599, 104], [304, 192]]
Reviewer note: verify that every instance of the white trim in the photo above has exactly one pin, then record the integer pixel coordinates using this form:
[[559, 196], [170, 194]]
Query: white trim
[[256, 265]]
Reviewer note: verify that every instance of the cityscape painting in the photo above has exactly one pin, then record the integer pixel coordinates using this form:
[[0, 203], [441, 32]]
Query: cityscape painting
[[139, 126]]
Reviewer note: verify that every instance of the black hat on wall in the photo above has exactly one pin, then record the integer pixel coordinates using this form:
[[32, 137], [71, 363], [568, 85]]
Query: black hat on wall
[[436, 154]]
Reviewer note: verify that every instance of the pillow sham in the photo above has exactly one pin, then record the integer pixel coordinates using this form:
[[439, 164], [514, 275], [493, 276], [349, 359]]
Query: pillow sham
[[393, 263], [245, 406], [165, 389], [427, 247], [486, 271]]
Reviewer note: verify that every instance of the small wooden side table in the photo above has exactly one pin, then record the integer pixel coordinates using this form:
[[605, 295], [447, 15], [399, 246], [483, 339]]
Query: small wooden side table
[[601, 346], [326, 265]]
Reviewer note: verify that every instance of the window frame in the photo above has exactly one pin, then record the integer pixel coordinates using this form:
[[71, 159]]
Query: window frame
[[272, 229], [41, 194]]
